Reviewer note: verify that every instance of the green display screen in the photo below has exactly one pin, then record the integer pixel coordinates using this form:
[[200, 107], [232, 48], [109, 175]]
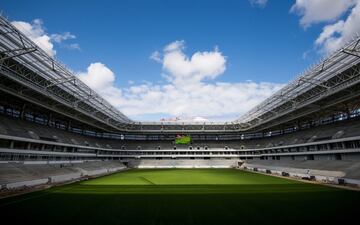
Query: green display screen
[[182, 140]]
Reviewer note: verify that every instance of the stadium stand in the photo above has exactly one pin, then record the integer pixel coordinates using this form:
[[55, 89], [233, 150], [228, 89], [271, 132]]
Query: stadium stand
[[327, 171], [28, 174], [20, 128], [54, 128], [166, 163]]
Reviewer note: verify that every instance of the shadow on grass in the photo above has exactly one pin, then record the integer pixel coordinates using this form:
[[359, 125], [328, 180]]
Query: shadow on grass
[[194, 189], [249, 204]]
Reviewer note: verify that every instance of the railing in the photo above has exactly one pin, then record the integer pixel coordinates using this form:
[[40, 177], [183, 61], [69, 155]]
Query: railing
[[341, 145]]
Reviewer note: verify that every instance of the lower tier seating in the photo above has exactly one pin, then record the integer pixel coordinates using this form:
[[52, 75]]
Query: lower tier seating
[[27, 174]]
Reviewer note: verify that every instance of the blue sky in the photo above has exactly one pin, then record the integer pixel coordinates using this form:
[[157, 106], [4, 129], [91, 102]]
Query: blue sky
[[262, 41]]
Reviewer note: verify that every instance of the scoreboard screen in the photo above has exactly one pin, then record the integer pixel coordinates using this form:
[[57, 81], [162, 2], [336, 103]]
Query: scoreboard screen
[[182, 139]]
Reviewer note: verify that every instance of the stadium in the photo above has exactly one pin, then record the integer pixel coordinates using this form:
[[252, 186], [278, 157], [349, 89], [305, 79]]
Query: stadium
[[69, 156]]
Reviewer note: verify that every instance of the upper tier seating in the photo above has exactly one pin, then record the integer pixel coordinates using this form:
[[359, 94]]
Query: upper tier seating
[[21, 128]]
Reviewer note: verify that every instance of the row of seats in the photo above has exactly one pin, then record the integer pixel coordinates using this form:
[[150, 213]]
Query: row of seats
[[336, 168], [183, 163], [21, 128], [16, 174]]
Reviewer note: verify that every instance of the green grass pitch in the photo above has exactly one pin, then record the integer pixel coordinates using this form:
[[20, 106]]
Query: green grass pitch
[[184, 196]]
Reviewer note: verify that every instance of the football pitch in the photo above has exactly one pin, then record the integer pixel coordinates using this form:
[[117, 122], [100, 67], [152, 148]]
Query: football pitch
[[184, 196]]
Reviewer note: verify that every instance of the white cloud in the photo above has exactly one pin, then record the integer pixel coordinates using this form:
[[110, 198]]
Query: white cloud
[[98, 76], [199, 119], [258, 3], [201, 65], [341, 19], [156, 56], [187, 93], [74, 46], [334, 36], [175, 46], [36, 32], [315, 11], [58, 38]]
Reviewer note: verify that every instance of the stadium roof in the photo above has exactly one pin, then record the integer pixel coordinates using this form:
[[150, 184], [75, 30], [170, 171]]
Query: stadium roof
[[314, 83], [53, 78], [17, 46]]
